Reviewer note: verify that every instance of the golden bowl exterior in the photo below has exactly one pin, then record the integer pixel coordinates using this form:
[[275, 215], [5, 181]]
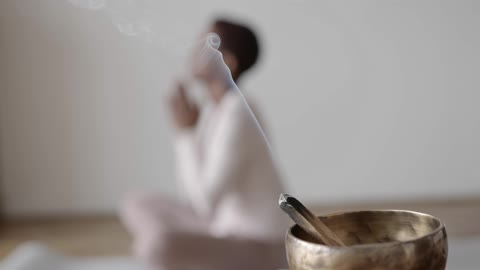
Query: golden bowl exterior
[[383, 239]]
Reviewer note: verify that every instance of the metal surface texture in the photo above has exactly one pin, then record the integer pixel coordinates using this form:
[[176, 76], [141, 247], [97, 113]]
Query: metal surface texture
[[308, 221], [379, 239]]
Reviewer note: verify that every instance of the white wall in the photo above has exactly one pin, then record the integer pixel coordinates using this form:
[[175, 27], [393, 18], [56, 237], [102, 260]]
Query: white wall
[[365, 99]]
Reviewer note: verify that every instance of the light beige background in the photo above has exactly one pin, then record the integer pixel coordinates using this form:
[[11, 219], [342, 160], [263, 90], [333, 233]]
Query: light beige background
[[365, 99]]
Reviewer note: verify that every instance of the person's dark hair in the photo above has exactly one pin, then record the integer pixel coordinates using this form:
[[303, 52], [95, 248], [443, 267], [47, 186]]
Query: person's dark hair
[[240, 40]]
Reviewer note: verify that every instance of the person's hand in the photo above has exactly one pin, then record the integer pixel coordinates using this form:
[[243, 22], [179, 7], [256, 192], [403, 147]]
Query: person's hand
[[184, 113]]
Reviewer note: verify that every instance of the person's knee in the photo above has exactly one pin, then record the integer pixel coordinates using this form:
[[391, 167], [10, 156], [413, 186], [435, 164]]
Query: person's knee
[[136, 213], [133, 204]]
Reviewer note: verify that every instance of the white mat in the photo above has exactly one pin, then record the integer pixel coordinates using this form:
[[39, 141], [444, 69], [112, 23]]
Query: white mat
[[35, 256], [464, 254]]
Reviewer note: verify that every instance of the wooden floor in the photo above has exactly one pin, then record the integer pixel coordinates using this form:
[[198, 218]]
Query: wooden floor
[[104, 235]]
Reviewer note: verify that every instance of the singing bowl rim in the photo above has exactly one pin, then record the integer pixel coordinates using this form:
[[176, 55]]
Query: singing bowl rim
[[299, 241]]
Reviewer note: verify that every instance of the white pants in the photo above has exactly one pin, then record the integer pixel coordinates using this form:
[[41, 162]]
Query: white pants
[[168, 235]]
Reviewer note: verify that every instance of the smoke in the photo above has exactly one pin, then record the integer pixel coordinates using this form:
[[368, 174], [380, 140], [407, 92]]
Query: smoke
[[208, 48], [89, 4], [162, 24], [130, 17], [137, 17]]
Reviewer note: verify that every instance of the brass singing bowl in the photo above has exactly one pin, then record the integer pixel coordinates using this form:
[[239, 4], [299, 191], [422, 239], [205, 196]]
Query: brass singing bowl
[[384, 239]]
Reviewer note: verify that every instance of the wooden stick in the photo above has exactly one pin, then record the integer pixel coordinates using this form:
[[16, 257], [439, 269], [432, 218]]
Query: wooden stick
[[308, 221]]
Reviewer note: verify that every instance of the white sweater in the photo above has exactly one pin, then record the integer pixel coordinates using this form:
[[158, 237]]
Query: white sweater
[[228, 173]]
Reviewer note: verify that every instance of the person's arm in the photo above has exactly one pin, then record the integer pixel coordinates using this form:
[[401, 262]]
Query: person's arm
[[185, 118], [224, 161], [187, 160]]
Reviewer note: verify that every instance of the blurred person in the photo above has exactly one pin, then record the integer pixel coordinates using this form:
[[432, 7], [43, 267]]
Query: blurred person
[[231, 219]]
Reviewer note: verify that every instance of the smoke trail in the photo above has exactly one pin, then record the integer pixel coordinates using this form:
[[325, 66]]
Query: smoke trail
[[130, 17], [211, 58], [159, 23], [136, 17], [89, 4], [209, 48]]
